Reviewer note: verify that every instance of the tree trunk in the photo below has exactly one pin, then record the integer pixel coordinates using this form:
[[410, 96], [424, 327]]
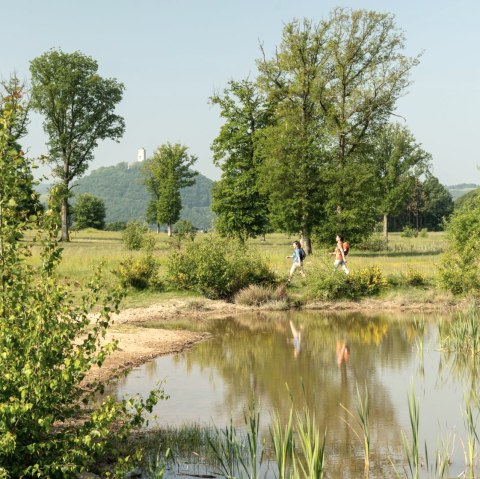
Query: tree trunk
[[64, 214], [169, 230], [307, 243], [385, 227], [158, 228]]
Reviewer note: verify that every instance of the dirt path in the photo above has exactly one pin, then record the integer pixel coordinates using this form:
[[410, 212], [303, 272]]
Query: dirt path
[[138, 344]]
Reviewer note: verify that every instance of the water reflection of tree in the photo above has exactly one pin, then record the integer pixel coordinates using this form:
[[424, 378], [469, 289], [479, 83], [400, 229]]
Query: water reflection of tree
[[254, 355]]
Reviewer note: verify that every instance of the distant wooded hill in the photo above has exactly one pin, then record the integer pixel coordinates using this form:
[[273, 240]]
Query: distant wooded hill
[[459, 190], [126, 198]]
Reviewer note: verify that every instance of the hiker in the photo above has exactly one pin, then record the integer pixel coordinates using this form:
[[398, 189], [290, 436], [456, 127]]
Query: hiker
[[298, 256], [340, 252]]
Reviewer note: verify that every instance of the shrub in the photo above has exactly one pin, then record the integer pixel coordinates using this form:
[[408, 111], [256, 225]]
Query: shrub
[[374, 243], [413, 278], [49, 425], [423, 233], [137, 236], [217, 267], [116, 226], [336, 285], [409, 232], [459, 269], [139, 272]]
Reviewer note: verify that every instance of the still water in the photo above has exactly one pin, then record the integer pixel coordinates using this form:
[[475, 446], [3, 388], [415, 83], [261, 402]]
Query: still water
[[318, 361]]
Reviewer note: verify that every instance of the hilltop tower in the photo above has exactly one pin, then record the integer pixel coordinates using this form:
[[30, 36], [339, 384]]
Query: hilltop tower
[[142, 154]]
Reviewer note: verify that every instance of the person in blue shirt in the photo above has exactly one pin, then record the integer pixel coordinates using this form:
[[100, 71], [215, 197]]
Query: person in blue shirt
[[297, 261]]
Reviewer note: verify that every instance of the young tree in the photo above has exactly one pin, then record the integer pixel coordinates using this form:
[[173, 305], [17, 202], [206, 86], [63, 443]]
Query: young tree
[[165, 173], [78, 106], [48, 343], [237, 199], [399, 162], [89, 212]]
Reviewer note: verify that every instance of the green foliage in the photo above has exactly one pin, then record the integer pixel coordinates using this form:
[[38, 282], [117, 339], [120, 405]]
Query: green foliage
[[238, 201], [140, 272], [413, 278], [332, 86], [164, 174], [438, 204], [217, 267], [50, 425], [460, 264], [326, 286], [373, 243], [116, 226], [89, 212], [409, 232], [80, 114], [137, 236], [472, 195]]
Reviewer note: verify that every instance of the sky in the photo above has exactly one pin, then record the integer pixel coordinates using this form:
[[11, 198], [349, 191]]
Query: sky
[[172, 55]]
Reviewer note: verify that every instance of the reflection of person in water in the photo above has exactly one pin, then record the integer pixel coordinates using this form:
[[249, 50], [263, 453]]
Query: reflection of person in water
[[343, 352], [297, 339]]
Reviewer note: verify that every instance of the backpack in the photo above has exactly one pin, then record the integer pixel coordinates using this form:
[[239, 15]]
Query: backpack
[[346, 248], [303, 255]]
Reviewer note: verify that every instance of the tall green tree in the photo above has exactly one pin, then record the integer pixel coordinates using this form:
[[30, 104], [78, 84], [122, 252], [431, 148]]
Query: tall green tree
[[89, 212], [165, 173], [334, 84], [400, 161], [293, 147], [365, 74], [78, 106], [237, 198]]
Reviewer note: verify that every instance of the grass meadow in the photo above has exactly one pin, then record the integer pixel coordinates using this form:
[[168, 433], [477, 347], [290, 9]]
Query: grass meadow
[[89, 248]]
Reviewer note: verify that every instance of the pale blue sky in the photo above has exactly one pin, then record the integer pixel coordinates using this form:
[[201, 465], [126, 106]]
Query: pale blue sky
[[172, 55]]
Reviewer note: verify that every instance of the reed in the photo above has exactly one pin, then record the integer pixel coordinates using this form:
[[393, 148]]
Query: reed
[[313, 450], [362, 420], [226, 450], [283, 444], [471, 420], [462, 333], [412, 449], [255, 450], [156, 469]]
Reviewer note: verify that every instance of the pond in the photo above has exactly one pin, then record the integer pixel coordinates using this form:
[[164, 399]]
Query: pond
[[319, 361]]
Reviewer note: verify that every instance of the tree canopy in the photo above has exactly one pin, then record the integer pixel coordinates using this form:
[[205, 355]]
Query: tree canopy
[[78, 106], [237, 199]]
